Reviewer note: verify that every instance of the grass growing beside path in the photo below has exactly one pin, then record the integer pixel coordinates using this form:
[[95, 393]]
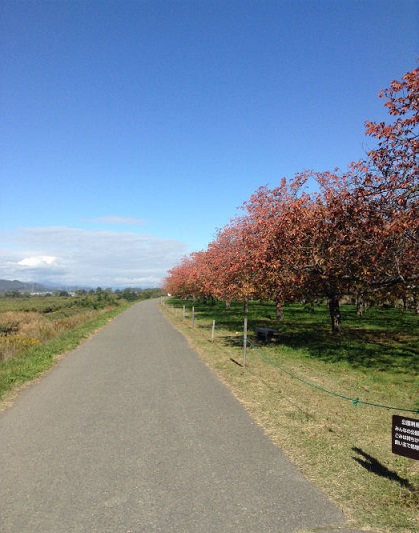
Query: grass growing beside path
[[39, 341], [344, 449]]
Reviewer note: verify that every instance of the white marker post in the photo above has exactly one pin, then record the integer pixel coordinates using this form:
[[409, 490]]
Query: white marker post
[[244, 341]]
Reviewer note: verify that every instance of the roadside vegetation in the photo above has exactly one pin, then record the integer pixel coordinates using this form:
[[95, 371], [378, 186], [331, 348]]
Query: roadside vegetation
[[344, 447], [346, 244], [36, 330]]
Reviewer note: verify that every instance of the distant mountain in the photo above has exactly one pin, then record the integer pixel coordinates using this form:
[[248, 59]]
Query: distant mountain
[[21, 286]]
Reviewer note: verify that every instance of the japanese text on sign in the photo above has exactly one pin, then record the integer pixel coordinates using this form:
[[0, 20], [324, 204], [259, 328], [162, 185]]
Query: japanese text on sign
[[405, 437]]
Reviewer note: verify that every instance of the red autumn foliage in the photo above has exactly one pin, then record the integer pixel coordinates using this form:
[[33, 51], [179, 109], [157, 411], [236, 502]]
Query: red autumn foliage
[[357, 234]]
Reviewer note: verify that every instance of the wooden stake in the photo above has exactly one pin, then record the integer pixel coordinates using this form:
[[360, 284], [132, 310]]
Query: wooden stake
[[244, 341]]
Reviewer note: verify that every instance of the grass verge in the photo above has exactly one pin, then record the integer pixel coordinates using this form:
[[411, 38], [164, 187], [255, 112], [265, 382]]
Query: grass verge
[[344, 449], [32, 361]]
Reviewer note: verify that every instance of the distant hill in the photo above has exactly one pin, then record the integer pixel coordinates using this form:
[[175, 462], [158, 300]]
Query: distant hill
[[21, 286], [32, 287]]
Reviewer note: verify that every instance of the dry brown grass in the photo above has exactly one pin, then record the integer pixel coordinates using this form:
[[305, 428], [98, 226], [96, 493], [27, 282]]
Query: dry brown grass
[[23, 330]]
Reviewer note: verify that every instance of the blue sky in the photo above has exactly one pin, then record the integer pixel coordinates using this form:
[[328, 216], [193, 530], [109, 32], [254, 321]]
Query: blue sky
[[131, 130]]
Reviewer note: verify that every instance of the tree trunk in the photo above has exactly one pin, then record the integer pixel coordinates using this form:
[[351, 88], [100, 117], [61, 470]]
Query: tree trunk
[[359, 304], [246, 306], [335, 316], [279, 311]]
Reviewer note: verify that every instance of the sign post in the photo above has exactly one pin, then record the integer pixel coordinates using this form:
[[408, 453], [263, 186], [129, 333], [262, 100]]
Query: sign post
[[405, 437]]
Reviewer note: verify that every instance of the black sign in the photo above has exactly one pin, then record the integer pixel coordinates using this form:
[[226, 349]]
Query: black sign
[[406, 437]]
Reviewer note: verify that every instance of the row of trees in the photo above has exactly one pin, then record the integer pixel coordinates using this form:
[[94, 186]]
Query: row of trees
[[358, 234], [128, 294]]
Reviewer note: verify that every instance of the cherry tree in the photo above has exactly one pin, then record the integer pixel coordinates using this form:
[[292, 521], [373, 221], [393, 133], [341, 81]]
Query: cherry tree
[[357, 233], [390, 181]]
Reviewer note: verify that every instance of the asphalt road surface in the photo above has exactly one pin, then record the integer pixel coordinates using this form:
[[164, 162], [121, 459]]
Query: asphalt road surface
[[131, 432]]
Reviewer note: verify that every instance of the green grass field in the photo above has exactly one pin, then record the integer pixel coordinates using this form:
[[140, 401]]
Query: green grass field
[[342, 446]]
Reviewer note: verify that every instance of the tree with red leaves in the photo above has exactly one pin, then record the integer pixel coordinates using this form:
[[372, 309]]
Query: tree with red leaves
[[356, 234], [390, 181], [396, 158], [186, 279], [231, 265], [272, 235]]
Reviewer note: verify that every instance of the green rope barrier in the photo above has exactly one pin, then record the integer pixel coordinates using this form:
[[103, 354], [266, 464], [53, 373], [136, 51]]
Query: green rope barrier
[[355, 401]]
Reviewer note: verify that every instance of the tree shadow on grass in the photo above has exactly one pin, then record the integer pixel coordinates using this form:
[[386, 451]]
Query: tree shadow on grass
[[361, 349], [374, 466], [384, 342]]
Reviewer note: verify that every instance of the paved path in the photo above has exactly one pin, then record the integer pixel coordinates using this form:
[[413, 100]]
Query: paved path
[[132, 433]]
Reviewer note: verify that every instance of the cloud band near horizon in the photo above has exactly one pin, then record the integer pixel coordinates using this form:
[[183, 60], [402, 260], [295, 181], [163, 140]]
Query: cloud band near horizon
[[73, 256]]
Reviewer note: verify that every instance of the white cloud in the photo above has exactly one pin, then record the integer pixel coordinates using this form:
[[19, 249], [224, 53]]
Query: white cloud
[[38, 261], [85, 257]]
